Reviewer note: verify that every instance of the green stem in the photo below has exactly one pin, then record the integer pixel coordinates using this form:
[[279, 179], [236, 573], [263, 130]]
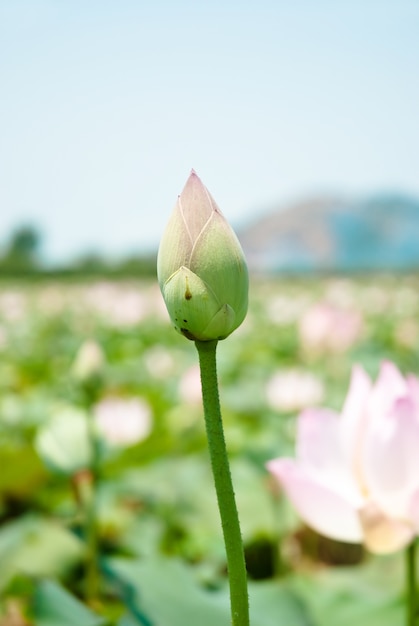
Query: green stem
[[223, 484], [411, 584]]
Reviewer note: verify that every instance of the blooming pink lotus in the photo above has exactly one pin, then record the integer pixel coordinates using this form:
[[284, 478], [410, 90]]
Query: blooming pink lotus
[[356, 475]]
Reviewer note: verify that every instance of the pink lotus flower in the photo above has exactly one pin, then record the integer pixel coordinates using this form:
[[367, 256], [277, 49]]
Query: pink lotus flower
[[123, 422], [327, 328], [356, 475]]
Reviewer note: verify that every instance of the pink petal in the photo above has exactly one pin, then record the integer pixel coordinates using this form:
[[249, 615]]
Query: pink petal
[[389, 387], [318, 439], [354, 414], [320, 451], [359, 390], [325, 510], [391, 458], [382, 534]]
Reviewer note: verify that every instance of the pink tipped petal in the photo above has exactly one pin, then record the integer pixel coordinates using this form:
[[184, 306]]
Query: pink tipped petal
[[391, 458], [383, 535], [389, 387], [391, 378], [325, 510], [359, 390], [354, 414]]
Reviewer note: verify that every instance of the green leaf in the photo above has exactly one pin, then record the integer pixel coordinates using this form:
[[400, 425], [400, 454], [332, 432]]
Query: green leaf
[[37, 547], [22, 471], [273, 604], [127, 620], [54, 606], [368, 594], [164, 592]]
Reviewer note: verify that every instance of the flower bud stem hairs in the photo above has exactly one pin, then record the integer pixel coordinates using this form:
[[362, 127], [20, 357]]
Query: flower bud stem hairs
[[223, 484]]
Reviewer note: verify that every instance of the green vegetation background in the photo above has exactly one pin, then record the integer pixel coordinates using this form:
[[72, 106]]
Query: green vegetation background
[[161, 552]]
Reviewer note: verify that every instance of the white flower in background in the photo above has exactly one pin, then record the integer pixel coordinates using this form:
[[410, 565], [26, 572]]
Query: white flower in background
[[129, 308], [121, 305], [293, 390], [123, 422], [326, 328], [283, 309], [190, 386], [52, 300], [375, 299], [341, 293], [13, 306], [89, 360], [159, 362], [64, 443], [156, 303]]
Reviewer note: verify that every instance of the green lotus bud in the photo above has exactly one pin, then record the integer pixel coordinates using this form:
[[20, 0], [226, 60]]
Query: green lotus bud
[[201, 267]]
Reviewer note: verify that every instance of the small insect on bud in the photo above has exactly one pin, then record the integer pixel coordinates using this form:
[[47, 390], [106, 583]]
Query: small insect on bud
[[201, 267]]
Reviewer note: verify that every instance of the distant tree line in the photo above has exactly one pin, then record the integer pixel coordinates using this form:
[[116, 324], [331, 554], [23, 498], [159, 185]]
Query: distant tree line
[[21, 257], [21, 252]]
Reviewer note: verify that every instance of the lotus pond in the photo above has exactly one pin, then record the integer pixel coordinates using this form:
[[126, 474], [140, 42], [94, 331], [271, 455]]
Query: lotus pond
[[100, 357]]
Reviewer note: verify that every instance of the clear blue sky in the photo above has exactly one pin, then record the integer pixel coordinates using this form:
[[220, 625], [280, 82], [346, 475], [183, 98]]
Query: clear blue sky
[[105, 106]]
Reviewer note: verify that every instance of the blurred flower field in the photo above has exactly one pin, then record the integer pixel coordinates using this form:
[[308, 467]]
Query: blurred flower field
[[100, 407]]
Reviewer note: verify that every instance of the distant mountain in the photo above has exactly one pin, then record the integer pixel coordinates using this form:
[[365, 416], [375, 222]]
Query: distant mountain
[[336, 234]]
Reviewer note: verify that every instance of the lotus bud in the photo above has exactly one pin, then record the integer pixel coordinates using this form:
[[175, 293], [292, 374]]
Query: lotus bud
[[201, 267]]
